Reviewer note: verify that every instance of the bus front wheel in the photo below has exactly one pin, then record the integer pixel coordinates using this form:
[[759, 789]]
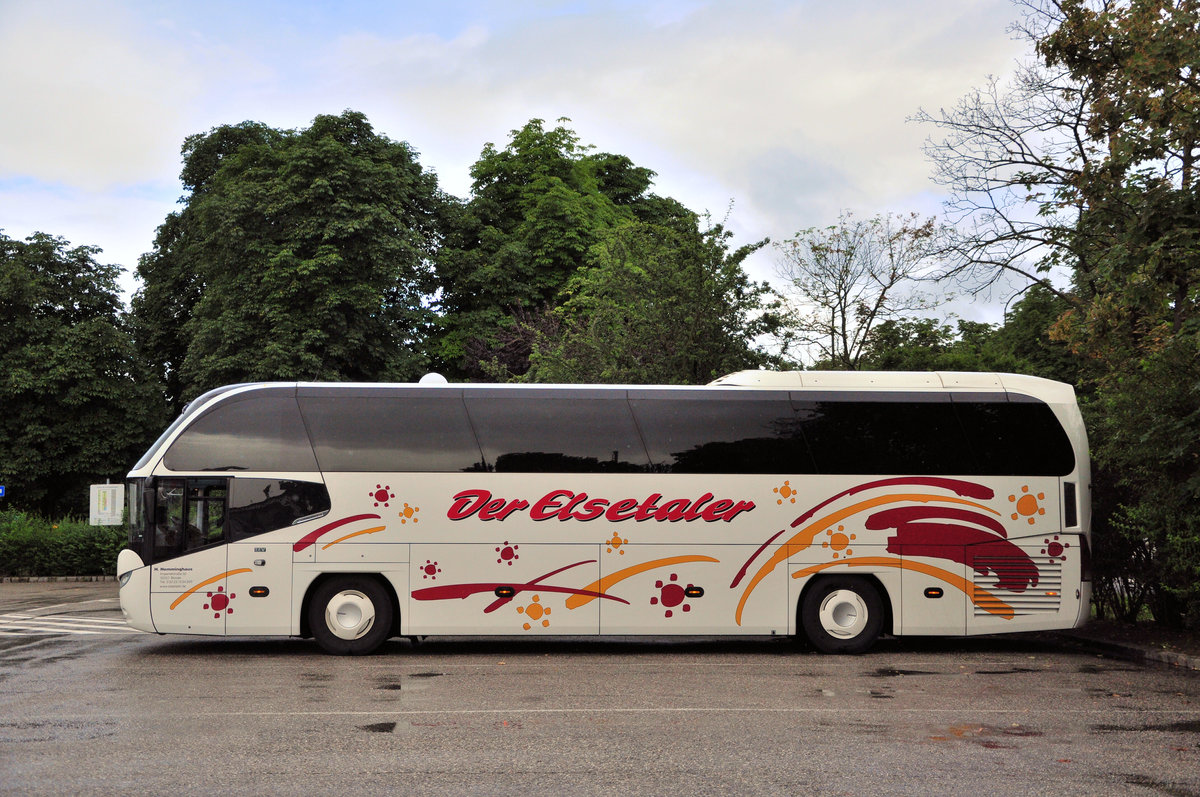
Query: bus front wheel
[[842, 615], [350, 615]]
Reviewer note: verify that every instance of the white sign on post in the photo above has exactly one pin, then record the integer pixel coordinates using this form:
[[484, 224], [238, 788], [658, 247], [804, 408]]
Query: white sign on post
[[107, 504]]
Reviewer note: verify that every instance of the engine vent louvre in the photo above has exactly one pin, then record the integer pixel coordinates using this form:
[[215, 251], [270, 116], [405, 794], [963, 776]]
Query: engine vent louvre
[[1044, 598]]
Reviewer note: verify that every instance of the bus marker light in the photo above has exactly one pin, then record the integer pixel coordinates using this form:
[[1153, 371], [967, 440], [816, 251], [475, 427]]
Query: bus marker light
[[505, 592], [259, 592], [933, 592], [694, 591]]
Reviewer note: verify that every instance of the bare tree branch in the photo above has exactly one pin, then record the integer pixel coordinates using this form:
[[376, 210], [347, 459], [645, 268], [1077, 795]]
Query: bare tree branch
[[846, 279]]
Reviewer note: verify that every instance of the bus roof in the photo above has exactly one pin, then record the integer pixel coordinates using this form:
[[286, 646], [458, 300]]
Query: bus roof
[[1045, 389], [858, 381]]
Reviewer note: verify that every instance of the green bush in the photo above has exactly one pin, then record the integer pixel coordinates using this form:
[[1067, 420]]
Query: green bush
[[31, 546]]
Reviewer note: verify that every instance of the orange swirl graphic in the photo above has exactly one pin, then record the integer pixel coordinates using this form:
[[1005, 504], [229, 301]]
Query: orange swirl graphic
[[803, 538], [575, 601], [208, 581], [355, 534], [978, 595]]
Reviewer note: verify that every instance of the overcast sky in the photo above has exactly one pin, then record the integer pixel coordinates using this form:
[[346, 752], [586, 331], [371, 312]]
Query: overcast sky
[[792, 111]]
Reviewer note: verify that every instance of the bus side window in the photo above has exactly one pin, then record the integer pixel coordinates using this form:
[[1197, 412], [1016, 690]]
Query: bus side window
[[698, 433], [257, 506], [554, 431]]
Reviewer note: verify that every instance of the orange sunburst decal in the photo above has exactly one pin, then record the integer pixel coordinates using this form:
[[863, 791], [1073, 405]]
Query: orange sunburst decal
[[839, 542], [1027, 505], [536, 613]]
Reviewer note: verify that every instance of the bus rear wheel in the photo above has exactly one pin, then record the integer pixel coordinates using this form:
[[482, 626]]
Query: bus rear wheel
[[350, 615], [842, 615]]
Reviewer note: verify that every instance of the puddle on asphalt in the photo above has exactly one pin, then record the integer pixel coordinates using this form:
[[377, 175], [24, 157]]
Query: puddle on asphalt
[[892, 672], [1171, 789], [314, 680], [379, 727], [56, 730], [1096, 669]]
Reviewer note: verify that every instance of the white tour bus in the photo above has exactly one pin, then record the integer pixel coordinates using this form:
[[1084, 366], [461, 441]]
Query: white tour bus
[[834, 506]]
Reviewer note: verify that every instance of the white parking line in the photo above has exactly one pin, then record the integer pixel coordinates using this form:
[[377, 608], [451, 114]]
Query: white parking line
[[72, 603], [27, 624]]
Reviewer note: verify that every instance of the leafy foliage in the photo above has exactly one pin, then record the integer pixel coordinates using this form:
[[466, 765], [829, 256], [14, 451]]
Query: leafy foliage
[[537, 207], [1021, 345], [925, 344], [1137, 318], [30, 546], [172, 274], [298, 256], [1088, 164], [78, 407], [656, 305]]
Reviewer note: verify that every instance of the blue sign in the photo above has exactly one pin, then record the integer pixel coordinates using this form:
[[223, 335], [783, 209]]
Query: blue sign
[[1, 490]]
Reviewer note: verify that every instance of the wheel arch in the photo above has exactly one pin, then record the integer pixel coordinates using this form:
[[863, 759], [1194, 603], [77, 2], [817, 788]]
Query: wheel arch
[[884, 590], [384, 581]]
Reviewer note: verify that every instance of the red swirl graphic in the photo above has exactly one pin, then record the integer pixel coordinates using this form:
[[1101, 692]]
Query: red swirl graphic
[[919, 534], [313, 536]]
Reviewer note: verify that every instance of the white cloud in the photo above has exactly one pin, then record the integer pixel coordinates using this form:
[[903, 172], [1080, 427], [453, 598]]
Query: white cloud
[[794, 110], [718, 89], [84, 103]]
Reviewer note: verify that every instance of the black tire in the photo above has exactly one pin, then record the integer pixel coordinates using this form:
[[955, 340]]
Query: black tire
[[842, 615], [350, 615]]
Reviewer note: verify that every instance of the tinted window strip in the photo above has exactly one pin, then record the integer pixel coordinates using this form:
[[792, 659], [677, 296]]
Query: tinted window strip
[[926, 433]]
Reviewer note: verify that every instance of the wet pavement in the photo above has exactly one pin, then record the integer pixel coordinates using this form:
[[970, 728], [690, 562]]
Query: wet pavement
[[88, 707]]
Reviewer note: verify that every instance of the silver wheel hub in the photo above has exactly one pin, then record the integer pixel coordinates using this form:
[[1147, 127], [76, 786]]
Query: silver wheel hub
[[349, 614], [843, 614]]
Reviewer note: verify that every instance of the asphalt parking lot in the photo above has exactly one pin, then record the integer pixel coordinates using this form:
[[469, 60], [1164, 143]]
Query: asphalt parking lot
[[87, 706]]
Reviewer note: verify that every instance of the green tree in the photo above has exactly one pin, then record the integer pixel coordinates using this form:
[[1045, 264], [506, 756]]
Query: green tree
[[1088, 166], [926, 344], [298, 255], [172, 273], [656, 305], [536, 209], [1022, 344], [1138, 316], [1027, 337], [78, 408]]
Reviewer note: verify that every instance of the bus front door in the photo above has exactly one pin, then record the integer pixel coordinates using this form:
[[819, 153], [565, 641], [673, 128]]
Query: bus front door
[[188, 594]]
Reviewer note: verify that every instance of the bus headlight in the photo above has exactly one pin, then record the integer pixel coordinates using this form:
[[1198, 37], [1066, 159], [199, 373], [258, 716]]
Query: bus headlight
[[123, 579]]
